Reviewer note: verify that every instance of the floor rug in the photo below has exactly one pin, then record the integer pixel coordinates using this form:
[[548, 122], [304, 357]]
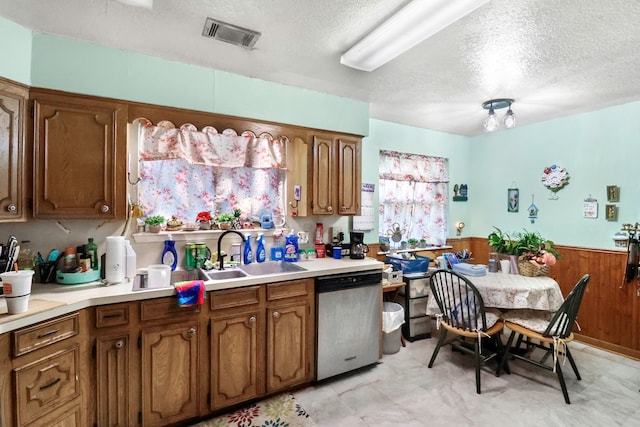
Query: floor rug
[[278, 411]]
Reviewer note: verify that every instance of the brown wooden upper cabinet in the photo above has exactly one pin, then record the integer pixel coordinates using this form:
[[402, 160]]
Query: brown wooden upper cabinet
[[12, 151], [336, 175], [79, 156]]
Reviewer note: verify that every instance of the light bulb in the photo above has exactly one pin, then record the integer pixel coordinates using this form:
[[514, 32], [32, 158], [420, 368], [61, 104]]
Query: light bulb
[[509, 120], [490, 123]]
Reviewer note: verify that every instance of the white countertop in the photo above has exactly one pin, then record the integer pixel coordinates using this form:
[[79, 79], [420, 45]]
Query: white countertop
[[76, 297]]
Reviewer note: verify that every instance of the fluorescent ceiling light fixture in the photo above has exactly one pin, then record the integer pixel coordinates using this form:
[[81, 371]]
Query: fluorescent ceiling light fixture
[[413, 24], [147, 4]]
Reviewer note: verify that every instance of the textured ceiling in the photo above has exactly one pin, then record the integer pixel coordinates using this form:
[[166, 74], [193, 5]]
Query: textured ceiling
[[553, 57]]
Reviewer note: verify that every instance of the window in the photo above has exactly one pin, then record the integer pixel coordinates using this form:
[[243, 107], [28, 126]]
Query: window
[[185, 171], [413, 196]]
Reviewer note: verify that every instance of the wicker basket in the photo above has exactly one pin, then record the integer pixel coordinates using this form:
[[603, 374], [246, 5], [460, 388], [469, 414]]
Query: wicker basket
[[527, 268]]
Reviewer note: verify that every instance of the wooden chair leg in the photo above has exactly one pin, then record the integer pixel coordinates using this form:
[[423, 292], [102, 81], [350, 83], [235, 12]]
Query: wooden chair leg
[[573, 363], [478, 363], [565, 393], [443, 334]]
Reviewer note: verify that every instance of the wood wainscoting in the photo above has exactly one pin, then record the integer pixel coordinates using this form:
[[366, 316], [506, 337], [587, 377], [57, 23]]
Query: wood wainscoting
[[609, 317]]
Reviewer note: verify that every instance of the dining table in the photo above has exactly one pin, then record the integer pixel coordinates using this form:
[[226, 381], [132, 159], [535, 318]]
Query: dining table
[[513, 291]]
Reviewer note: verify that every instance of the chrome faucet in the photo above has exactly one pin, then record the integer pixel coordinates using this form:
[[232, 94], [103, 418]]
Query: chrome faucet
[[220, 254]]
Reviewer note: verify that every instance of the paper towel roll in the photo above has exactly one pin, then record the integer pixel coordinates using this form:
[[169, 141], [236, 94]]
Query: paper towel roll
[[114, 264]]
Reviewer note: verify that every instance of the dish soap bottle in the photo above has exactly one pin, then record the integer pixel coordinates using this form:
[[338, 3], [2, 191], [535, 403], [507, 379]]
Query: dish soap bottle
[[248, 254], [261, 253], [291, 247], [169, 254]]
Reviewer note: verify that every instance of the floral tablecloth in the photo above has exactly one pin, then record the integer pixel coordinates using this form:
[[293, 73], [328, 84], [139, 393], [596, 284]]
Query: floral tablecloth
[[513, 291]]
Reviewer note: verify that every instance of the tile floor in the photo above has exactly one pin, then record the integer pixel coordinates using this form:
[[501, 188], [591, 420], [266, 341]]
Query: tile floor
[[403, 391]]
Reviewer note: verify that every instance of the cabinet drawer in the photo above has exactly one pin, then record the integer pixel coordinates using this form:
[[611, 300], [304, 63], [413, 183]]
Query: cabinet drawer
[[295, 288], [69, 415], [417, 306], [235, 297], [165, 308], [417, 288], [46, 384], [43, 334], [112, 315]]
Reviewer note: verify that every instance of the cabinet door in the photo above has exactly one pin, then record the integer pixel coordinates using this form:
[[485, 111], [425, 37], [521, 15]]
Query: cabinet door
[[170, 371], [288, 359], [349, 179], [323, 176], [235, 358], [79, 158], [112, 380], [12, 153]]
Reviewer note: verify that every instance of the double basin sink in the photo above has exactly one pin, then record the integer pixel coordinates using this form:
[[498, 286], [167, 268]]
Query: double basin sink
[[245, 270]]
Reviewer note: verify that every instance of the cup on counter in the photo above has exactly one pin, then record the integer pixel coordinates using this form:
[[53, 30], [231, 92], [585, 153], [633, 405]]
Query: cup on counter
[[159, 276], [337, 252], [17, 288], [505, 266]]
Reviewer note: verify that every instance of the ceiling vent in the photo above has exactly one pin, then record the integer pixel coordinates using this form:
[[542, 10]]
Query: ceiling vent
[[230, 33]]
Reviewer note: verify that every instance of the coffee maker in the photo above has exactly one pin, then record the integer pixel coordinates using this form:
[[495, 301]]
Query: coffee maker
[[357, 248]]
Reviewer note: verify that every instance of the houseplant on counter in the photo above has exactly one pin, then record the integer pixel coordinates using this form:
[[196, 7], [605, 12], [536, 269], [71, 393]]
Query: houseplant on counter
[[155, 223], [413, 243]]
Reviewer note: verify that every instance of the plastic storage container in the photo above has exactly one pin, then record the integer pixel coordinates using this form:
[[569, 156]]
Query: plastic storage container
[[392, 320], [418, 265]]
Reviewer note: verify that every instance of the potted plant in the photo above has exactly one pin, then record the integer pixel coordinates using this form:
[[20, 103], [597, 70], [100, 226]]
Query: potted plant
[[236, 221], [422, 243], [155, 223], [204, 220], [503, 243], [536, 254], [224, 221], [413, 243]]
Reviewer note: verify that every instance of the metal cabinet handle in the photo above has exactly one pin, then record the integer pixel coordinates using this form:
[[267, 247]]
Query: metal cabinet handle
[[276, 314], [118, 344], [329, 208], [12, 208], [46, 334], [191, 332], [104, 208], [50, 384], [252, 319]]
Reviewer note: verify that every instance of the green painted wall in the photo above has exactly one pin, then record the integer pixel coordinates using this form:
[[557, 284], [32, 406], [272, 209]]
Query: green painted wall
[[15, 51], [81, 67], [599, 148]]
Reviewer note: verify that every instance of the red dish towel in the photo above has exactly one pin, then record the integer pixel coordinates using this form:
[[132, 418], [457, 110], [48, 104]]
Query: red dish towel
[[190, 293]]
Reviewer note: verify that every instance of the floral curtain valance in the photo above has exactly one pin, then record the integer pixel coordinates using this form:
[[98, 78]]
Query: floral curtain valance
[[208, 147], [412, 167]]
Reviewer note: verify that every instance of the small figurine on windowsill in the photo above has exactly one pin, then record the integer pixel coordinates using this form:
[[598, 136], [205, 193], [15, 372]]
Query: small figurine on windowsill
[[174, 224]]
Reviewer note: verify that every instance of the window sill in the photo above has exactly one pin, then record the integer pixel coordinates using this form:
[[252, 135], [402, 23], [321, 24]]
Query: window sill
[[189, 236]]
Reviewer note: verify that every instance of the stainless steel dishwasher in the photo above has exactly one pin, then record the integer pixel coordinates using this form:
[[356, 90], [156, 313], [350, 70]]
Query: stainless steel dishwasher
[[348, 321]]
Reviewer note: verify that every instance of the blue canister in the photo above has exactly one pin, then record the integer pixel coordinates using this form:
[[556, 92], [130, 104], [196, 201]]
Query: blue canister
[[337, 252]]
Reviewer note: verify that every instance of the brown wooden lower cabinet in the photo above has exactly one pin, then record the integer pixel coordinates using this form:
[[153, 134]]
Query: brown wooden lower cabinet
[[170, 370], [262, 341], [156, 363]]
